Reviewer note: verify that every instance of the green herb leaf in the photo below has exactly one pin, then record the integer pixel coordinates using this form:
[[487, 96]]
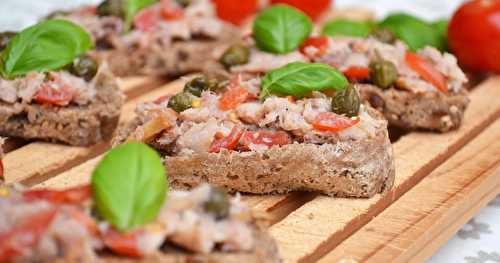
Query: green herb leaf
[[415, 32], [129, 186], [49, 45], [281, 29], [299, 79], [441, 27], [344, 27], [132, 7]]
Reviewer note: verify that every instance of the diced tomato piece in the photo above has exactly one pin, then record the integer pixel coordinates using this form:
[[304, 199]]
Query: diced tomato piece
[[125, 244], [320, 43], [329, 121], [356, 74], [147, 19], [426, 71], [54, 93], [236, 12], [25, 235], [84, 220], [313, 8], [74, 195], [168, 11], [233, 97], [268, 138], [229, 142]]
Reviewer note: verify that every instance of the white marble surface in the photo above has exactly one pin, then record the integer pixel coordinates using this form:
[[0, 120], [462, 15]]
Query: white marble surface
[[477, 242]]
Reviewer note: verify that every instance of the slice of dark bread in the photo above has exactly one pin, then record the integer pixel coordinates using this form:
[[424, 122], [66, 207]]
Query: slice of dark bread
[[72, 124], [265, 250], [430, 111]]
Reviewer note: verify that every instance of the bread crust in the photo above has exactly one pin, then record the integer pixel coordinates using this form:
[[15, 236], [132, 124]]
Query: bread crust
[[432, 111], [72, 124]]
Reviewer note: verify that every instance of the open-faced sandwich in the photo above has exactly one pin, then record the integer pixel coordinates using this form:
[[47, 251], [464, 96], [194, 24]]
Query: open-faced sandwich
[[414, 90], [167, 37], [1, 156], [51, 90], [128, 215], [273, 134]]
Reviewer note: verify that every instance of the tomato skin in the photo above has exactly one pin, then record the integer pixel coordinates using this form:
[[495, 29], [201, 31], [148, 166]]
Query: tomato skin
[[268, 138], [320, 43], [169, 11], [357, 74], [75, 195], [49, 94], [427, 71], [125, 244], [236, 12], [25, 235], [313, 8], [229, 142], [331, 122], [474, 33]]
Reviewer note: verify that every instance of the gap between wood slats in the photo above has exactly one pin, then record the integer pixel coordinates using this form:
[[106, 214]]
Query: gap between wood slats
[[38, 161], [415, 226], [318, 226]]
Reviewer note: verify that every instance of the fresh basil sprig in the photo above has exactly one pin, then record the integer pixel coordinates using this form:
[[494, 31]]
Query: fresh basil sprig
[[281, 29], [129, 186], [49, 45], [345, 27], [132, 7], [298, 79]]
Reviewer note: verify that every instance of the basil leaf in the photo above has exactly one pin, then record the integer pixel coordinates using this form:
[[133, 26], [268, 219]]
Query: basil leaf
[[415, 32], [49, 45], [441, 27], [281, 29], [344, 27], [129, 186], [299, 79], [132, 7]]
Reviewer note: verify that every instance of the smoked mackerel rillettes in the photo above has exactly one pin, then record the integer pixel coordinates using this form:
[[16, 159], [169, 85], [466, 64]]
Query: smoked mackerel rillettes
[[51, 90], [165, 37]]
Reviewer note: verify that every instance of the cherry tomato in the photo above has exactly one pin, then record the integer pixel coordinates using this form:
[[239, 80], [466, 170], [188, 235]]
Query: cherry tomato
[[236, 12], [25, 235], [357, 74], [329, 121], [229, 142], [313, 8], [125, 244], [169, 11], [426, 71], [54, 93], [74, 195], [147, 19], [474, 34], [268, 138], [320, 43]]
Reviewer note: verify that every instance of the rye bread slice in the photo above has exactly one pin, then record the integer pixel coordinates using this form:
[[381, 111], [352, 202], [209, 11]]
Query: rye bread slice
[[431, 111], [72, 124]]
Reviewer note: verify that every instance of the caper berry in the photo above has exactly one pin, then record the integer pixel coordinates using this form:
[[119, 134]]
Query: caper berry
[[199, 84], [85, 67], [180, 102], [5, 38], [111, 8], [384, 35], [383, 73], [217, 203], [346, 101], [235, 55], [183, 3]]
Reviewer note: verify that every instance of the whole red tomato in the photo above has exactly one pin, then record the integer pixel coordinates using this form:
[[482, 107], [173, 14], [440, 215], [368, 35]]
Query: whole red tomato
[[474, 35], [236, 11], [313, 8]]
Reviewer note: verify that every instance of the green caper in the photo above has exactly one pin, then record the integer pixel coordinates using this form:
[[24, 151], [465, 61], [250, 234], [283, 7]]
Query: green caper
[[383, 73], [346, 101], [199, 84], [183, 3], [217, 203], [235, 55], [384, 35], [5, 38], [180, 102], [85, 67], [111, 8]]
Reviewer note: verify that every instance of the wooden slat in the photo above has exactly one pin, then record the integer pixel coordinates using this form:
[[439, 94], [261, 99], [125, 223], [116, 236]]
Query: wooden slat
[[424, 218], [31, 164], [318, 226]]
